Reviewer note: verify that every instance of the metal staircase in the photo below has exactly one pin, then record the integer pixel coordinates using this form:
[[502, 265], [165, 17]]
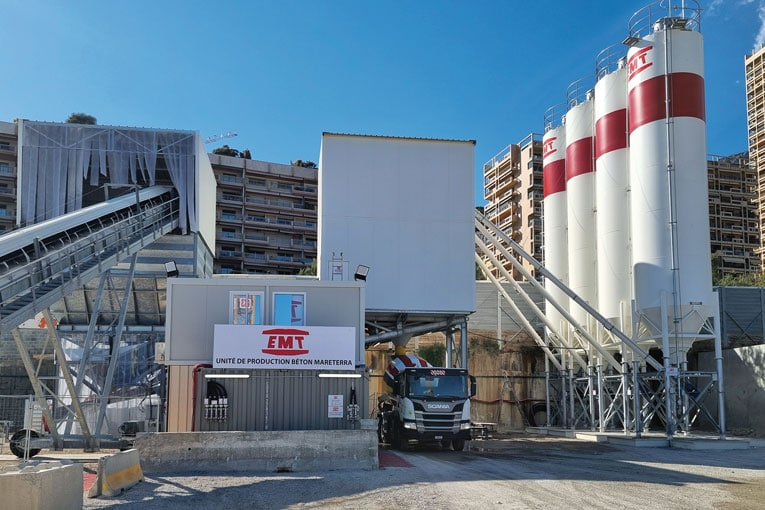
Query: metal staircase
[[606, 380]]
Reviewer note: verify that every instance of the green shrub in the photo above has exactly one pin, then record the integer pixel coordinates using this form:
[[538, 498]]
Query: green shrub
[[435, 354]]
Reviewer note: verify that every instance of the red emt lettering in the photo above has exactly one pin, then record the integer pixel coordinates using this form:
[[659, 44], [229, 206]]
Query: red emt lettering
[[547, 147], [639, 62], [285, 341]]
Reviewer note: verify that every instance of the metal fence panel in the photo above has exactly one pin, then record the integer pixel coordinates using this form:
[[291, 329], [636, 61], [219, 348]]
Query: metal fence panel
[[277, 400]]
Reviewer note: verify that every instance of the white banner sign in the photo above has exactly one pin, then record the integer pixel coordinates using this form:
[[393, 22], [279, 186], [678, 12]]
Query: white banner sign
[[282, 347]]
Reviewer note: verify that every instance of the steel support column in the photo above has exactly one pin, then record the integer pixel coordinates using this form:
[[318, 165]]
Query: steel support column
[[58, 443], [64, 367]]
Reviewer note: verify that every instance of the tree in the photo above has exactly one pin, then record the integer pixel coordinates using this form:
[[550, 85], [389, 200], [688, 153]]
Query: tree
[[81, 118], [226, 151], [309, 270], [719, 277], [304, 164], [235, 153], [479, 272], [435, 354]]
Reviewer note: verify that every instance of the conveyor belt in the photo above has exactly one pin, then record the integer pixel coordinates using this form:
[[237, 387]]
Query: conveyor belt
[[41, 264]]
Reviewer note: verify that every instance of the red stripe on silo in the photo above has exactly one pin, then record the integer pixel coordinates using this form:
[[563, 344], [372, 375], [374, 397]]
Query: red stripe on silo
[[554, 177], [647, 99], [579, 157], [611, 132]]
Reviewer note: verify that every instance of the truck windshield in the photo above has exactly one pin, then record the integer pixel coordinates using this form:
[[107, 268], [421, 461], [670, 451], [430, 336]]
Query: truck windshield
[[421, 385]]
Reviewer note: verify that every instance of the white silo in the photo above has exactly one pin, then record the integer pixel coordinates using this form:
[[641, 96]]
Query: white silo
[[612, 194], [580, 200], [555, 217], [668, 179]]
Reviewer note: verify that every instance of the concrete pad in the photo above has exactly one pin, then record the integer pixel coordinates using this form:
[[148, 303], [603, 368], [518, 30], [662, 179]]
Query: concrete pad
[[280, 451], [591, 436], [687, 443], [42, 486], [549, 431], [639, 442]]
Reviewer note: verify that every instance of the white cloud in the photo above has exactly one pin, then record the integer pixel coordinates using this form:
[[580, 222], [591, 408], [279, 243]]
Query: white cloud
[[759, 40], [714, 4]]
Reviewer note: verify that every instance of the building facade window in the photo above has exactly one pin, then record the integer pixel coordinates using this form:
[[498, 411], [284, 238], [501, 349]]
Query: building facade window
[[289, 309]]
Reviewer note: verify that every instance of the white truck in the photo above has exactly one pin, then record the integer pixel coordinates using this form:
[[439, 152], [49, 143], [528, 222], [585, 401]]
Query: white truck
[[426, 404]]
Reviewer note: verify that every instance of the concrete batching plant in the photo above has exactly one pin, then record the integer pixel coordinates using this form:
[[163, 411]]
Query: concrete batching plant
[[627, 234]]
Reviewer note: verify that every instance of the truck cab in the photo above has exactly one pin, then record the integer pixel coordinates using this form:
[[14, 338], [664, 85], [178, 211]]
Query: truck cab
[[428, 404]]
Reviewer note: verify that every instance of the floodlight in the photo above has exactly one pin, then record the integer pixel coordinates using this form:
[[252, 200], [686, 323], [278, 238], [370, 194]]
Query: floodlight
[[361, 273], [172, 269]]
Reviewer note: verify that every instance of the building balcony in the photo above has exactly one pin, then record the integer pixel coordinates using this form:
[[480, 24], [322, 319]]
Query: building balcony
[[230, 218], [229, 180], [229, 198], [305, 189], [228, 236], [258, 238], [229, 254]]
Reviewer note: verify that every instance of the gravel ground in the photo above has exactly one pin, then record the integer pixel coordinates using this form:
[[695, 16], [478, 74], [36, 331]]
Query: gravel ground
[[509, 473]]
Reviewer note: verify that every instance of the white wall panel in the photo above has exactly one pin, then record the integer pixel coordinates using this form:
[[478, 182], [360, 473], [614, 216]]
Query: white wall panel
[[403, 207], [206, 198]]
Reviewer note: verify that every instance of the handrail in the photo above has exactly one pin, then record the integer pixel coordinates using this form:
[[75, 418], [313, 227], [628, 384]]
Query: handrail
[[24, 285]]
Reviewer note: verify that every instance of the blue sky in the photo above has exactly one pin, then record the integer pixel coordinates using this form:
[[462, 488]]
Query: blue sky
[[279, 73]]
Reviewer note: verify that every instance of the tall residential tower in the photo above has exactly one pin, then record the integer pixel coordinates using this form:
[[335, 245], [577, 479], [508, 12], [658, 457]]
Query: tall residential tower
[[512, 183], [754, 66]]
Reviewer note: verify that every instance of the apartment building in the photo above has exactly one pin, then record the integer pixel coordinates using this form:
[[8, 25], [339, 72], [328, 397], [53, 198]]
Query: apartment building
[[513, 188], [8, 157], [266, 212], [733, 217], [266, 216], [754, 66]]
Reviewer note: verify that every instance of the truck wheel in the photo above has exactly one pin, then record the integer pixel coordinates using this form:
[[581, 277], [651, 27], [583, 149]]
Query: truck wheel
[[19, 445], [397, 442], [458, 445]]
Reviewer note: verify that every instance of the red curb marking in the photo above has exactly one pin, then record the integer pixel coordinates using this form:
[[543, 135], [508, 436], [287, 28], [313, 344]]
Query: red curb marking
[[388, 459], [88, 479]]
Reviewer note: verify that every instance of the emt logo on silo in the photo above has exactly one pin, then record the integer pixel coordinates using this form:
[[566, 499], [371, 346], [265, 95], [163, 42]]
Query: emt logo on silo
[[639, 62], [285, 341], [547, 147]]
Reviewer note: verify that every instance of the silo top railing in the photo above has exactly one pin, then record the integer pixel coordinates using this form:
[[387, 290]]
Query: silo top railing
[[682, 14]]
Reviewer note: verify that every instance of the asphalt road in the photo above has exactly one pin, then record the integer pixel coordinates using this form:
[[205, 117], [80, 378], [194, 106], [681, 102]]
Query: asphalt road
[[517, 472]]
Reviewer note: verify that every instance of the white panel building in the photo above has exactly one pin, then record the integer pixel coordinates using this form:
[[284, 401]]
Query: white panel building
[[404, 208]]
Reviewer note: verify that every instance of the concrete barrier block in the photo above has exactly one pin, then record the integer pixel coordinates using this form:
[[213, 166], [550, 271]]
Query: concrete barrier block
[[42, 486], [281, 451], [116, 473]]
